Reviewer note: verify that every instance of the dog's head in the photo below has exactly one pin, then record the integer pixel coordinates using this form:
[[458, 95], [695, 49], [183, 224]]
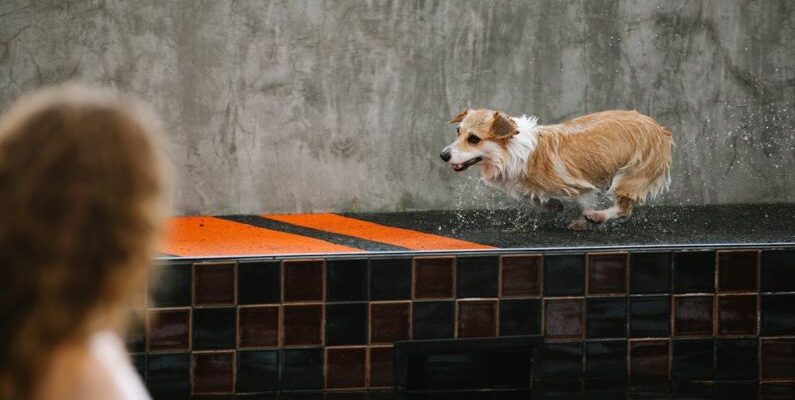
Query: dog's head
[[482, 136]]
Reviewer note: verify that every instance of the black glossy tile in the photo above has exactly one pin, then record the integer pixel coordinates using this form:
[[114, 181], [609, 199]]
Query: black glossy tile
[[736, 359], [433, 319], [168, 374], [433, 278], [694, 271], [302, 368], [346, 368], [477, 276], [737, 271], [390, 279], [259, 282], [213, 372], [520, 317], [778, 271], [136, 337], [777, 391], [607, 273], [302, 325], [381, 367], [778, 359], [346, 280], [650, 316], [778, 315], [390, 322], [171, 286], [737, 315], [139, 362], [477, 318], [649, 361], [693, 315], [258, 326], [346, 324], [726, 390], [561, 361], [303, 280], [693, 359], [521, 275], [257, 370], [563, 318], [214, 283], [606, 360], [168, 329], [564, 275], [606, 317], [214, 328], [650, 273]]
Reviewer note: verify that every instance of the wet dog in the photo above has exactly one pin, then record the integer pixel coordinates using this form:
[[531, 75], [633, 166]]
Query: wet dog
[[625, 152]]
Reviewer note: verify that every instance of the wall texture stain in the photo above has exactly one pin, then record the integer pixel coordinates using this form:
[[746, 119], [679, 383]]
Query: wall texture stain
[[341, 105]]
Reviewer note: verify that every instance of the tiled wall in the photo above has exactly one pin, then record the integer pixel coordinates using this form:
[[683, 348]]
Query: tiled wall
[[256, 326]]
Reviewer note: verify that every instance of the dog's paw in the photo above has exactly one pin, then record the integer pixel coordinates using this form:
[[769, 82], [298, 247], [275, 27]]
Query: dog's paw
[[579, 224], [597, 217]]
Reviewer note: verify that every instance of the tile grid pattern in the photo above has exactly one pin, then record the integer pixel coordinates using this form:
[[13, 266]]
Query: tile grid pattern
[[240, 327]]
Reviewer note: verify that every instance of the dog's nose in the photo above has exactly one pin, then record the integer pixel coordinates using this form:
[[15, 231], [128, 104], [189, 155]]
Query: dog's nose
[[445, 155]]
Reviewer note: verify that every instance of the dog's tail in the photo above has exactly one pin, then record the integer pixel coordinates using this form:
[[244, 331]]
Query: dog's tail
[[661, 174]]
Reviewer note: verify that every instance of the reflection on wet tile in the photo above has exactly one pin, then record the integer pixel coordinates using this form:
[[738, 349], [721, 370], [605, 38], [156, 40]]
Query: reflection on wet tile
[[737, 359], [346, 280], [693, 315], [477, 276], [303, 280], [778, 358], [214, 283], [562, 361], [169, 329], [389, 322], [694, 271], [345, 368], [390, 279], [650, 316], [433, 278], [259, 282], [477, 318], [737, 271], [648, 360], [563, 318], [257, 370], [693, 359], [564, 275], [303, 324], [171, 286], [213, 372], [778, 271], [607, 317], [520, 317], [346, 324], [521, 275], [606, 360], [778, 317], [433, 319], [737, 315], [168, 374], [302, 368], [607, 273], [650, 273], [214, 328], [258, 326], [381, 367]]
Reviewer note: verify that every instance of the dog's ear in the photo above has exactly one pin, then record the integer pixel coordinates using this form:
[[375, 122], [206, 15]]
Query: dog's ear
[[503, 127], [460, 117]]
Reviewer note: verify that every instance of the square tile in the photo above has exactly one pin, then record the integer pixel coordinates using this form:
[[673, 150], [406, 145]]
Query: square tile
[[737, 315], [520, 317], [169, 329], [736, 359], [650, 316], [561, 362], [606, 360], [171, 285], [694, 272], [693, 315], [258, 326], [345, 368], [346, 324], [607, 317], [778, 271], [649, 360], [778, 359], [521, 275], [778, 314], [477, 276], [381, 367], [390, 322], [693, 359], [213, 372], [302, 325], [563, 318], [737, 271], [257, 370], [433, 319], [302, 369], [303, 280], [650, 273], [477, 318], [390, 279], [259, 282], [607, 273], [346, 280], [214, 284], [564, 275], [433, 278], [168, 374], [214, 328]]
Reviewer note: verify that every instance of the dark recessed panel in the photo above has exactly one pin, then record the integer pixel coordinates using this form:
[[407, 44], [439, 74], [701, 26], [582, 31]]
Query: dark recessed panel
[[390, 279], [650, 273], [564, 275], [477, 276], [259, 282], [346, 280]]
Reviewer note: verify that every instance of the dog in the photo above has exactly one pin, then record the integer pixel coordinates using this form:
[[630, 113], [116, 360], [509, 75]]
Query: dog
[[625, 152]]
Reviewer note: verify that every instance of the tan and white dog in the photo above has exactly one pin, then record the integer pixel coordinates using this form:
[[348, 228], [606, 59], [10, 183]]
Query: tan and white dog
[[625, 152]]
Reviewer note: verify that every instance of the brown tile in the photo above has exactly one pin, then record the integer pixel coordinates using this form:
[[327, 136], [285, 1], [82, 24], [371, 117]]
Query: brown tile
[[521, 275], [259, 326], [389, 322], [649, 360], [737, 271], [737, 315], [303, 280], [303, 324], [381, 367], [433, 278], [477, 318], [693, 315], [214, 283], [607, 273], [778, 359], [563, 318], [345, 368], [213, 372], [169, 329]]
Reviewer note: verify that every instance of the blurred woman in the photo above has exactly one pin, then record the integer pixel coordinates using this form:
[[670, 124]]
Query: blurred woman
[[82, 196]]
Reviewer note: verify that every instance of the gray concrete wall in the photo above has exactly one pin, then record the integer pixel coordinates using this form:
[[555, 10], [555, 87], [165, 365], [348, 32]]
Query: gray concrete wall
[[294, 106]]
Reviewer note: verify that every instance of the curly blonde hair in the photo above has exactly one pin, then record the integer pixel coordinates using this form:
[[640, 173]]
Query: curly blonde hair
[[83, 187]]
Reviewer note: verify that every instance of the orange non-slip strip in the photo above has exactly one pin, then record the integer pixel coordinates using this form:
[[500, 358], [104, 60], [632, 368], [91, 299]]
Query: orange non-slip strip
[[208, 236], [409, 239]]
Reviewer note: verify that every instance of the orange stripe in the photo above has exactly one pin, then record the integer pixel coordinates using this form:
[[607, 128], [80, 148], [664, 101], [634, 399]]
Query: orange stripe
[[208, 236], [409, 239]]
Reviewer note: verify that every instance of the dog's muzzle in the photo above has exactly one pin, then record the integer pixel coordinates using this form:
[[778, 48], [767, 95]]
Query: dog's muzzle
[[463, 166]]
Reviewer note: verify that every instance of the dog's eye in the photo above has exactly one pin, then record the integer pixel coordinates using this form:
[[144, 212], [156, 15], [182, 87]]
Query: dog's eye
[[473, 139]]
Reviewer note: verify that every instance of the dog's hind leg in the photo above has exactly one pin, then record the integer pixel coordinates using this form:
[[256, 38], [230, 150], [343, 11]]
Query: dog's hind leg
[[587, 202], [626, 190], [622, 208]]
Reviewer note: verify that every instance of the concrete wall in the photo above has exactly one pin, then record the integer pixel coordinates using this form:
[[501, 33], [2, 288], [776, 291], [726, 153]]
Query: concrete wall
[[292, 106]]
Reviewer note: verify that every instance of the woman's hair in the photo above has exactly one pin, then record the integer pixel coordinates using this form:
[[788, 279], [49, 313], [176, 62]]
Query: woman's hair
[[83, 196]]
